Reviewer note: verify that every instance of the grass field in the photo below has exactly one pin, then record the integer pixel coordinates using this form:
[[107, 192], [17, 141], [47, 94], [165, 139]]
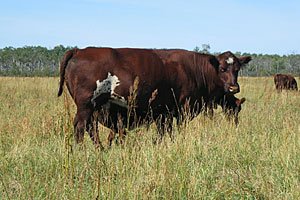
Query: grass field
[[209, 159]]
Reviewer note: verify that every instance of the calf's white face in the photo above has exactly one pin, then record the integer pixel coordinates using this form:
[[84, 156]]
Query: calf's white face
[[109, 85]]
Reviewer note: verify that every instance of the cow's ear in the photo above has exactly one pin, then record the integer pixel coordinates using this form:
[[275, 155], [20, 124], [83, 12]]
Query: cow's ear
[[240, 101], [214, 61], [244, 60], [243, 100]]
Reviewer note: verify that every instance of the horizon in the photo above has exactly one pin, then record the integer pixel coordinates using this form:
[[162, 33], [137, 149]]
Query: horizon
[[210, 52], [255, 27]]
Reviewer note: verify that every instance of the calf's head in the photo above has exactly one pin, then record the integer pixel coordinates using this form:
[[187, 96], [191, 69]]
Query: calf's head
[[232, 106], [229, 67]]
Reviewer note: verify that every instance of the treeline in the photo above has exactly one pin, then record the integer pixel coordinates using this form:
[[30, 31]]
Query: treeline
[[31, 61], [41, 61], [269, 65]]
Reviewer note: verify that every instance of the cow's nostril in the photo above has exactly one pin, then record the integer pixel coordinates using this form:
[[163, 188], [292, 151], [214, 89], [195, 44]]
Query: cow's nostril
[[233, 89]]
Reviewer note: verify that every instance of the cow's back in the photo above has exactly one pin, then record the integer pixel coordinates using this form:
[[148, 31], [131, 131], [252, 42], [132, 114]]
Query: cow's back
[[94, 64], [195, 76], [283, 81], [292, 83]]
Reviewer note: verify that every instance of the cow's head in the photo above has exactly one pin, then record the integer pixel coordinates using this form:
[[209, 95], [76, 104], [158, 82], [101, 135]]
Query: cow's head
[[229, 66]]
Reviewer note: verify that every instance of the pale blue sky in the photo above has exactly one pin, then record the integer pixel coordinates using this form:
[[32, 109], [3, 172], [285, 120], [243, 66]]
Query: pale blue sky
[[254, 26]]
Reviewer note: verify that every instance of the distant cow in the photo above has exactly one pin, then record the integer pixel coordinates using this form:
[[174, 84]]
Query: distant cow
[[130, 87], [286, 82]]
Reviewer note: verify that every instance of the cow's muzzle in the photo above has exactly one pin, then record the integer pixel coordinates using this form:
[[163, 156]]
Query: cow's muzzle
[[234, 89]]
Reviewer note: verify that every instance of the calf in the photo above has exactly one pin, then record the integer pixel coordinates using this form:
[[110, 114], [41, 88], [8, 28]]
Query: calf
[[231, 106]]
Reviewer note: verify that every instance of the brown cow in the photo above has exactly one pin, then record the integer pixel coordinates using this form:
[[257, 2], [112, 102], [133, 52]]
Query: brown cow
[[103, 80], [229, 65], [286, 82]]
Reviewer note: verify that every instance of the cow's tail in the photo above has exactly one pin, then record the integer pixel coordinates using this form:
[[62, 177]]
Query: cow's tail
[[68, 55]]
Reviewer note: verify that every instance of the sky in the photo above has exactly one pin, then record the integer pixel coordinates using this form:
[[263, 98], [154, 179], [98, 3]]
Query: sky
[[247, 26]]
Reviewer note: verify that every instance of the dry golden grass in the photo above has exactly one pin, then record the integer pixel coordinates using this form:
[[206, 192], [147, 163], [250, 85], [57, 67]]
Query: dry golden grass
[[209, 159]]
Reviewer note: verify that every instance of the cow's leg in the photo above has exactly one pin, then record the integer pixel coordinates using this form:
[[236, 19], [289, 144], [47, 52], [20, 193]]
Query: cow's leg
[[209, 110], [117, 127], [122, 135], [93, 132], [277, 88], [179, 121], [110, 137], [121, 124], [170, 127], [231, 114], [159, 122], [81, 121], [236, 118], [163, 123]]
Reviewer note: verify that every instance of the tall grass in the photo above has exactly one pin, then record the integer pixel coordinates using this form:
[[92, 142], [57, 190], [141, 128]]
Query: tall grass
[[209, 159]]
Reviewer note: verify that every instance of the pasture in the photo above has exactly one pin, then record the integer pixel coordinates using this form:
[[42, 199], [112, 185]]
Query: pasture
[[209, 159]]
